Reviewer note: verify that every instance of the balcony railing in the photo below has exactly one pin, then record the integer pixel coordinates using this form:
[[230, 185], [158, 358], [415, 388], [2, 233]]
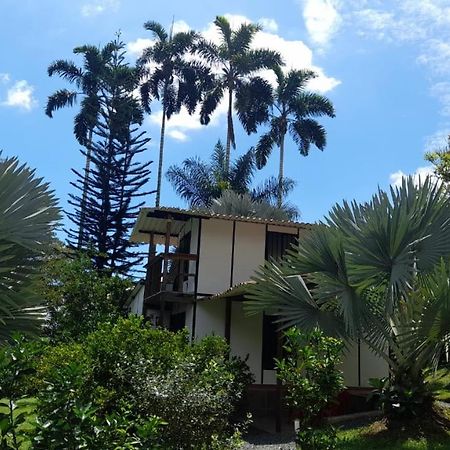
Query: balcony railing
[[170, 272]]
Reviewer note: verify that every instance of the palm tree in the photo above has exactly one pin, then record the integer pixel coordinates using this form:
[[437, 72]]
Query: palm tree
[[244, 205], [172, 79], [88, 83], [199, 183], [236, 65], [293, 110], [28, 214], [378, 272]]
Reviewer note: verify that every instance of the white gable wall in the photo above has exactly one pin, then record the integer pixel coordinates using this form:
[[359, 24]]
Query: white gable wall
[[249, 250], [214, 271]]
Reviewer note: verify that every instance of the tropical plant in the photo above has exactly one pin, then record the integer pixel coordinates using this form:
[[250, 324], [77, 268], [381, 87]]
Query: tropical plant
[[77, 297], [293, 110], [88, 81], [28, 217], [309, 370], [441, 161], [173, 79], [379, 272], [199, 183], [243, 205], [116, 182], [236, 67]]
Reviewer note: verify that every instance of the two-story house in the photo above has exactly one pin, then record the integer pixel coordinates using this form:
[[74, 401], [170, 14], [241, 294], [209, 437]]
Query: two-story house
[[198, 281]]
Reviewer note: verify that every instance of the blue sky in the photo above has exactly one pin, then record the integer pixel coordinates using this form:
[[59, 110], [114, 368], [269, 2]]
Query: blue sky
[[384, 64]]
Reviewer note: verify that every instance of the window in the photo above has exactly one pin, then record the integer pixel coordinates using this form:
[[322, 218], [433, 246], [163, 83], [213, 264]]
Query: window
[[278, 243], [270, 343]]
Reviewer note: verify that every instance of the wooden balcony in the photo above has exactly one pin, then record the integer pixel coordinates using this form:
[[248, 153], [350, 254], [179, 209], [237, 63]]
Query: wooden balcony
[[170, 276]]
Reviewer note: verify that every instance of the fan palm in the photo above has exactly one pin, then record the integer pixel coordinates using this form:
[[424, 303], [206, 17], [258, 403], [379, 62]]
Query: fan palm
[[378, 272], [173, 79], [237, 65], [28, 214], [199, 183], [293, 110], [244, 205], [88, 83]]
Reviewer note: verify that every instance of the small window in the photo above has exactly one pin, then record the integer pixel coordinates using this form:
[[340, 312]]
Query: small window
[[278, 243]]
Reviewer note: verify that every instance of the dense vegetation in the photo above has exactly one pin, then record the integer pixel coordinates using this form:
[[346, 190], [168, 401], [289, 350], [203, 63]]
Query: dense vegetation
[[378, 272], [125, 385]]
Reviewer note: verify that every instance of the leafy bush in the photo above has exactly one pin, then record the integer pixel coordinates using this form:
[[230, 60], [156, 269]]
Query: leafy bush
[[127, 385], [400, 401], [79, 298], [309, 372]]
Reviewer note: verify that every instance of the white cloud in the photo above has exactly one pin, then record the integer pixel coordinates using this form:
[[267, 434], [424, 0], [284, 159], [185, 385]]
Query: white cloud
[[180, 26], [322, 20], [4, 78], [99, 7], [137, 47], [20, 95], [177, 135], [268, 24], [420, 174]]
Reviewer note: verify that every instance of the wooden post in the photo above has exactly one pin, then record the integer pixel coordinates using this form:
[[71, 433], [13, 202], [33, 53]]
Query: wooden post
[[148, 274], [165, 269], [228, 320]]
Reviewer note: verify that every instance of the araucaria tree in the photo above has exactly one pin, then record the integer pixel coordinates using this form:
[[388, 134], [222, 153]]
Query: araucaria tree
[[171, 78], [116, 180], [236, 65], [88, 81], [293, 110], [379, 272]]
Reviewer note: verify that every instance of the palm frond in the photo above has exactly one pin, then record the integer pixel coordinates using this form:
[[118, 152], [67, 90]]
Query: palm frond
[[305, 132], [157, 30], [60, 99]]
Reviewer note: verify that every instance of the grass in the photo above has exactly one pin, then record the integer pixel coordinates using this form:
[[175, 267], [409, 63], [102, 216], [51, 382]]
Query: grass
[[376, 437], [440, 381]]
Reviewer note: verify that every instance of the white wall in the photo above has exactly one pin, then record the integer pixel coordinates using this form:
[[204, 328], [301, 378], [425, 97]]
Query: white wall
[[370, 365], [210, 318], [249, 250], [215, 256], [246, 338], [137, 304]]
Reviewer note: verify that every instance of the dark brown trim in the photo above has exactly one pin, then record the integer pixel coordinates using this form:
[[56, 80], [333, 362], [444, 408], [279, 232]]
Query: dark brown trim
[[359, 362], [228, 300], [197, 265], [233, 241], [228, 305]]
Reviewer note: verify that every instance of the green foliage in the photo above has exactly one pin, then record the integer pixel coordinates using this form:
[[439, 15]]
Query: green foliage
[[441, 161], [127, 385], [78, 297], [17, 423], [28, 216], [309, 372], [378, 272], [200, 183], [402, 399]]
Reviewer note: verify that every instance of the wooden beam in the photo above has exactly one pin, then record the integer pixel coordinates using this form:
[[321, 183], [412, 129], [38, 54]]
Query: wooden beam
[[228, 320], [165, 267], [148, 274]]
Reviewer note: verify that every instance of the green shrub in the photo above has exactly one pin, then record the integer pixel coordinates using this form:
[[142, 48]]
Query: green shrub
[[129, 386], [78, 297], [309, 372]]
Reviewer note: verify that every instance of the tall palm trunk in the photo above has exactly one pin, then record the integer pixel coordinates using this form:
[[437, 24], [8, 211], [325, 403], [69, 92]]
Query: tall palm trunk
[[87, 169], [161, 154], [229, 129], [281, 173]]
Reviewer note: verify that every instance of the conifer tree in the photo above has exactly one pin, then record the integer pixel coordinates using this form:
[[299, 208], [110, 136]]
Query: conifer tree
[[117, 178]]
